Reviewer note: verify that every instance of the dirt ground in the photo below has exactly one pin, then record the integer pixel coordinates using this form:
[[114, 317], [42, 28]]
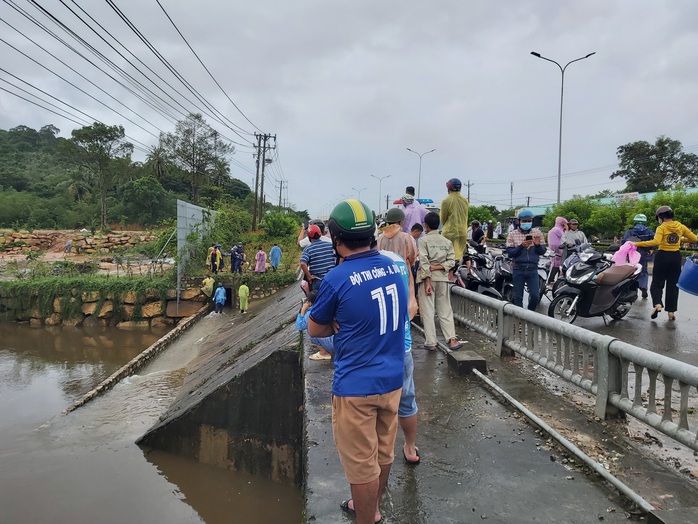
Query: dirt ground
[[56, 253]]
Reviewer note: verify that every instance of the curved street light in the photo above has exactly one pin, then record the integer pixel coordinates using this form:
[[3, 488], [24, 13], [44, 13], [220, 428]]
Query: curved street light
[[419, 180], [562, 90], [380, 190], [358, 192]]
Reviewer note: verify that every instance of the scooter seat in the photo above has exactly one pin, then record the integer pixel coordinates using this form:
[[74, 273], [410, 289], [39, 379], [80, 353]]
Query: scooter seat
[[614, 274]]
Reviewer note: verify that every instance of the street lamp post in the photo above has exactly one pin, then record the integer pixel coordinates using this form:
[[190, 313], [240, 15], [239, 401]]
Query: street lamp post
[[380, 190], [358, 191], [562, 91], [419, 180]]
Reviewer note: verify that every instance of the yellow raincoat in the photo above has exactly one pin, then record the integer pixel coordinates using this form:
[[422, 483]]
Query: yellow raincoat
[[454, 218]]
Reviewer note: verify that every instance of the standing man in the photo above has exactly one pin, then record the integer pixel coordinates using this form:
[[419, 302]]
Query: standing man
[[525, 245], [454, 217], [275, 257], [414, 212], [261, 261], [555, 245], [243, 295], [219, 298], [436, 258], [397, 241], [235, 260], [317, 258], [366, 298], [640, 233]]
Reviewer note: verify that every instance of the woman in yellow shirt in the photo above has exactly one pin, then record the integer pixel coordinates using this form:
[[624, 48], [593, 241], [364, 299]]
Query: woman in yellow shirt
[[667, 260]]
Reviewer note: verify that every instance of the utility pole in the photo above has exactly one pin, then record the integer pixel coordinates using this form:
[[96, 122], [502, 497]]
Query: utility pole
[[256, 182], [528, 201], [265, 138], [387, 201], [281, 187], [468, 186], [511, 195]]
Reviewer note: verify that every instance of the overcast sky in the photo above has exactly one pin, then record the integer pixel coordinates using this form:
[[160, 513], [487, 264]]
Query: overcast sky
[[346, 87]]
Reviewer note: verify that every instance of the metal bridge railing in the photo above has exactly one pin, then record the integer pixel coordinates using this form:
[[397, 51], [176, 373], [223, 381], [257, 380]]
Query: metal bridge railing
[[653, 388]]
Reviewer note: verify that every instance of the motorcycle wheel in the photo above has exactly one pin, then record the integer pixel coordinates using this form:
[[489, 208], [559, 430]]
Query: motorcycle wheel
[[561, 281], [560, 308], [508, 294], [542, 283], [617, 315]]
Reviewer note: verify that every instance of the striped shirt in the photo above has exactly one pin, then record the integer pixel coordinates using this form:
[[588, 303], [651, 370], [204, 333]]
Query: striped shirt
[[319, 256]]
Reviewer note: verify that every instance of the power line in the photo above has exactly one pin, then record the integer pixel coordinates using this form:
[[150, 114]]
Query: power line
[[169, 66], [184, 111], [209, 72], [72, 84]]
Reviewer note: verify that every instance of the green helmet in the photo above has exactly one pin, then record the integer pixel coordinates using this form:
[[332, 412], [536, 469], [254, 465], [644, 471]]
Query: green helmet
[[351, 220], [394, 215], [640, 218]]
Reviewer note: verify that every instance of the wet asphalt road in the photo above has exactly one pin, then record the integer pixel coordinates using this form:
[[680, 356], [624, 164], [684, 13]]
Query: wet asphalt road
[[676, 339]]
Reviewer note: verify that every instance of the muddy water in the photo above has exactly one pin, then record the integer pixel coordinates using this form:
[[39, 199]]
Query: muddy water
[[85, 467]]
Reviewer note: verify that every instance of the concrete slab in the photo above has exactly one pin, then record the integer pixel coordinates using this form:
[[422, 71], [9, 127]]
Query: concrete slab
[[480, 462], [463, 361]]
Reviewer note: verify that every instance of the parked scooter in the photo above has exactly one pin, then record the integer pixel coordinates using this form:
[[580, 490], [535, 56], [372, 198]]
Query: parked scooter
[[574, 257], [504, 280], [595, 287], [481, 275]]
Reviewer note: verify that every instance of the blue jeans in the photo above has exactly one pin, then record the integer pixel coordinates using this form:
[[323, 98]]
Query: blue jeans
[[408, 405], [529, 277]]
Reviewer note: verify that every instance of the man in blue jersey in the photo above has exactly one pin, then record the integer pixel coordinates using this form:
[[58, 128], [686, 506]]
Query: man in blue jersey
[[365, 297], [317, 258]]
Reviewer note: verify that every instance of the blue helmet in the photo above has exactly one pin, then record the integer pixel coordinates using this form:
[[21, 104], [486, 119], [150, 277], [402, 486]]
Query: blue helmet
[[525, 213], [453, 185]]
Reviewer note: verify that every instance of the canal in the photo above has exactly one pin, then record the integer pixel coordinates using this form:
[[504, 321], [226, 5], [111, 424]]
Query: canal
[[85, 467]]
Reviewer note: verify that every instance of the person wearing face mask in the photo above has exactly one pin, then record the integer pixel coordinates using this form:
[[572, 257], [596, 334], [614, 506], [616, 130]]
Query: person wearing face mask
[[525, 245]]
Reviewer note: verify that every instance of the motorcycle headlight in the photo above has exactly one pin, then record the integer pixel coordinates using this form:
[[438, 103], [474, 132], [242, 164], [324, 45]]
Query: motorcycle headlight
[[575, 276]]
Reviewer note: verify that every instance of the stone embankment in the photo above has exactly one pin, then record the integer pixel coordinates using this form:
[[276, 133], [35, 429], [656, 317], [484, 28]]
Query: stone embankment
[[19, 242], [128, 310]]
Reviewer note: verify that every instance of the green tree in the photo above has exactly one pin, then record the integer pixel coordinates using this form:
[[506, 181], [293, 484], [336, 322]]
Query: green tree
[[481, 213], [146, 201], [653, 167], [278, 225], [197, 149], [101, 151], [157, 162]]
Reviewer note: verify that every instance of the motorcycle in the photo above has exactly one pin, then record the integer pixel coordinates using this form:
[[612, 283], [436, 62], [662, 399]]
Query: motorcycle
[[595, 287], [573, 258], [504, 281], [480, 277]]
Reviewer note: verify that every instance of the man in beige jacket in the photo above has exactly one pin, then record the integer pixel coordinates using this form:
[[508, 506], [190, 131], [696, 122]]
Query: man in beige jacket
[[436, 258]]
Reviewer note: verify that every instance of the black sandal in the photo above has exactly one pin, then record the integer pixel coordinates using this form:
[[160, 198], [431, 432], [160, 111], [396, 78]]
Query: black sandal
[[351, 511]]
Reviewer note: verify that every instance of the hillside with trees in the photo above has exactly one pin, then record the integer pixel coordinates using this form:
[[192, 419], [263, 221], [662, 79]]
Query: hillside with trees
[[90, 180]]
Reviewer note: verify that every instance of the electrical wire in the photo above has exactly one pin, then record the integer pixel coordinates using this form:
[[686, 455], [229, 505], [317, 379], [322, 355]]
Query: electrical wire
[[166, 63], [72, 84], [209, 72]]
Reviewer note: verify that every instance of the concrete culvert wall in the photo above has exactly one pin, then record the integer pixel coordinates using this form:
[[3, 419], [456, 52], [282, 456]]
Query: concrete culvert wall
[[241, 404]]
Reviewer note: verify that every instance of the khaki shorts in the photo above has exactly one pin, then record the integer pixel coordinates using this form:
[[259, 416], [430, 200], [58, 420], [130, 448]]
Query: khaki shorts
[[364, 430]]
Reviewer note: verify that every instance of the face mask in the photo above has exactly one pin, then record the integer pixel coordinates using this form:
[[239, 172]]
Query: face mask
[[526, 226]]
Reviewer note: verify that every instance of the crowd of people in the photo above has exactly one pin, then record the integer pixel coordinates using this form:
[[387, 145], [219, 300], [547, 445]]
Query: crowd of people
[[215, 259], [363, 283]]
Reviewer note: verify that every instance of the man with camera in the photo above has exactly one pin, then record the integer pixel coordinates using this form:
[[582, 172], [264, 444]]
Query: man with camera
[[525, 245]]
